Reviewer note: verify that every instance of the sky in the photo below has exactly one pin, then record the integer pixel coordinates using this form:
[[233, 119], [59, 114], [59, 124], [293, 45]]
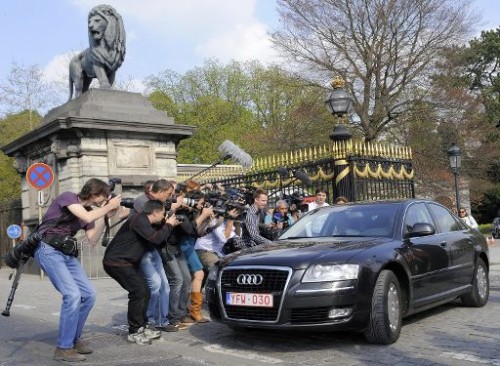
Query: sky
[[161, 34]]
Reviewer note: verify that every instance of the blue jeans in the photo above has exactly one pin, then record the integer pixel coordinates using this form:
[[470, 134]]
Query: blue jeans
[[78, 295], [152, 266], [179, 278]]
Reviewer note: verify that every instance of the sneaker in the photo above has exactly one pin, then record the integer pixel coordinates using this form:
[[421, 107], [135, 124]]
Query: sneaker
[[68, 354], [168, 328], [179, 325], [82, 347], [152, 332], [139, 338], [187, 320]]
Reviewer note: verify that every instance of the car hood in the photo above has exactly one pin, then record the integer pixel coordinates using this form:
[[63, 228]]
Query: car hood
[[300, 253]]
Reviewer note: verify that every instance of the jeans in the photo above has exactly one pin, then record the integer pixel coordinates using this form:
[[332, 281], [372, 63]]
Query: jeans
[[132, 280], [154, 273], [179, 279], [78, 295]]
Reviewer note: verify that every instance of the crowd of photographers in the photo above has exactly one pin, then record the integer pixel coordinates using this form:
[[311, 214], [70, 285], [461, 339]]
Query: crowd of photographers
[[169, 239]]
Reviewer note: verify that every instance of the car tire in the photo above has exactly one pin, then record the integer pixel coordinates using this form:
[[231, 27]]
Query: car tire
[[480, 292], [386, 313]]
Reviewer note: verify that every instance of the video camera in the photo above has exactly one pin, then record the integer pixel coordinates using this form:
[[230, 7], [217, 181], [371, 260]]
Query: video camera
[[222, 203], [293, 199]]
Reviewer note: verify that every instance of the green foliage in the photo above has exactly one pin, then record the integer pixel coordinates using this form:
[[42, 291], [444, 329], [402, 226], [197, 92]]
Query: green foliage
[[12, 127], [265, 110], [489, 206]]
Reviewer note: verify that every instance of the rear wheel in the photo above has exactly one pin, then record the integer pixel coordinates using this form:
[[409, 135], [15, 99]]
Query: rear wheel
[[480, 287], [386, 314]]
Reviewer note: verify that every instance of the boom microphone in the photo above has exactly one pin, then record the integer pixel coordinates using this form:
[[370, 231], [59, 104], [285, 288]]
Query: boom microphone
[[283, 172], [304, 178], [230, 150]]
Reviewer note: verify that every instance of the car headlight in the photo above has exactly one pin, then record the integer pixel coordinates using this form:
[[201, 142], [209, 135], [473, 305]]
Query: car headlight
[[212, 275], [331, 272]]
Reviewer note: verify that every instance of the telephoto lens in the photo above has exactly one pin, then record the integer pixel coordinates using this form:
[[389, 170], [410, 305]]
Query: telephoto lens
[[127, 202], [23, 250], [190, 202]]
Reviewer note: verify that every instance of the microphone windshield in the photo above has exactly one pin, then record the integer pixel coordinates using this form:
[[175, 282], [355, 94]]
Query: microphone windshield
[[304, 178], [230, 150], [283, 172]]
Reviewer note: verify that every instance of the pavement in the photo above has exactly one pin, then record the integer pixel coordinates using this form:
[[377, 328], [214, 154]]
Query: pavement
[[28, 335]]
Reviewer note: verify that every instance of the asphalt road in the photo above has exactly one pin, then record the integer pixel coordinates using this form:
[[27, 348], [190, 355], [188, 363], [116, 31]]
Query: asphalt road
[[448, 335]]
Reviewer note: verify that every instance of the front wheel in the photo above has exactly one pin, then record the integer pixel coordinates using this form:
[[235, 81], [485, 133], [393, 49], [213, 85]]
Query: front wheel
[[480, 287], [386, 314]]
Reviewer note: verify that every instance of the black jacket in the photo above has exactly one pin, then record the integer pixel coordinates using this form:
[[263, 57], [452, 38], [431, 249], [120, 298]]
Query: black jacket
[[132, 240]]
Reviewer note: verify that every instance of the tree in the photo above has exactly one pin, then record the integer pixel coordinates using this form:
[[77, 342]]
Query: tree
[[383, 49], [285, 112], [13, 126], [26, 89]]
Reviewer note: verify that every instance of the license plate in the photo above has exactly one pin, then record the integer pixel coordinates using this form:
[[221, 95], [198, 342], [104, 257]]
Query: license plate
[[248, 299]]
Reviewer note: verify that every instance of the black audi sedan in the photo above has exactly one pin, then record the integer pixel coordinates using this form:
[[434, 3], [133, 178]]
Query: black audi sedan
[[358, 267]]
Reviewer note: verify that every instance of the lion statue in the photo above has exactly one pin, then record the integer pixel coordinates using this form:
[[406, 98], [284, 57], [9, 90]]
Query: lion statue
[[105, 54]]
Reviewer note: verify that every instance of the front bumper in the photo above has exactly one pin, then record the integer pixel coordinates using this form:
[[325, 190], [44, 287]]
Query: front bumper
[[336, 305]]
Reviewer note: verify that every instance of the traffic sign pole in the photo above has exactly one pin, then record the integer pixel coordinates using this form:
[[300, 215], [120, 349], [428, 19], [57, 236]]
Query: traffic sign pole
[[40, 176]]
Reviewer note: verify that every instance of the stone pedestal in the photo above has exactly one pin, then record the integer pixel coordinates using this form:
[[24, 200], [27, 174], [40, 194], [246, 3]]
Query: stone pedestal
[[101, 134]]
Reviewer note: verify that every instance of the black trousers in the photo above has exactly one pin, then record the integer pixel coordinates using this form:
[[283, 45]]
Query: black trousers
[[132, 280]]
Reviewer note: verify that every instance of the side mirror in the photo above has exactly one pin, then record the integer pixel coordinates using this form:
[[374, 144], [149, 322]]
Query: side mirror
[[421, 229]]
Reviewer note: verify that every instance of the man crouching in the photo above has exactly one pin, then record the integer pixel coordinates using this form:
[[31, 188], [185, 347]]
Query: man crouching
[[122, 261]]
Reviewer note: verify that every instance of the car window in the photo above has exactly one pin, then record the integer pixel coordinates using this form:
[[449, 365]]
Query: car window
[[346, 220], [417, 213], [445, 221]]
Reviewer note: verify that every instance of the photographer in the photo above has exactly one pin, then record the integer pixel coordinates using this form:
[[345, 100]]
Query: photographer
[[141, 233], [210, 248], [187, 284], [57, 256], [152, 262], [279, 220]]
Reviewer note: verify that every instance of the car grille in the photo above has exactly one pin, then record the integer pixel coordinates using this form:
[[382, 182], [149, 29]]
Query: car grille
[[274, 282]]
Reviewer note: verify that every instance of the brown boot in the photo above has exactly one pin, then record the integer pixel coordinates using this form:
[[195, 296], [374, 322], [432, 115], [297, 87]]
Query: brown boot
[[82, 347], [68, 354], [195, 310]]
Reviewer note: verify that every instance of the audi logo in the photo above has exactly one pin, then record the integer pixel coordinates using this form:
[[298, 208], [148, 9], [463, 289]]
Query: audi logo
[[249, 279]]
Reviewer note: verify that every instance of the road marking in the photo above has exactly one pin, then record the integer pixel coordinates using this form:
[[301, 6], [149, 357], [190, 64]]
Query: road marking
[[472, 358], [25, 307], [216, 348]]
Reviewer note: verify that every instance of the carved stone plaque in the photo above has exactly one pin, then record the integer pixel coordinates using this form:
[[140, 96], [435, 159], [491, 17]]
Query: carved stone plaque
[[125, 158]]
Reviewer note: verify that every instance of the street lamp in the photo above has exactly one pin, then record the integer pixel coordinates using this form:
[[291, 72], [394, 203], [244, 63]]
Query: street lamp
[[338, 103], [455, 163]]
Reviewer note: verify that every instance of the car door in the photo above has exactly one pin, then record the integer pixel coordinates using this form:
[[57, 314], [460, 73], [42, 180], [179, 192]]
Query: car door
[[460, 242], [429, 257]]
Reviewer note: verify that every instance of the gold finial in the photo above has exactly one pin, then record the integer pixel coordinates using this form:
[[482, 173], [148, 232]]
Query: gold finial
[[337, 82]]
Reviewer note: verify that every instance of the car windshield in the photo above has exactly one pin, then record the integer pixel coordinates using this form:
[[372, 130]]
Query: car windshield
[[345, 221]]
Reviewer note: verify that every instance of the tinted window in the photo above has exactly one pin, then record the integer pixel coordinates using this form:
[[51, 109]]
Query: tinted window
[[445, 221], [416, 214], [346, 220]]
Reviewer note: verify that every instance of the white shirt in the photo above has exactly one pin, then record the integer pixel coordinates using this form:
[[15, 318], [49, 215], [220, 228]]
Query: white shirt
[[215, 240], [312, 205], [469, 220]]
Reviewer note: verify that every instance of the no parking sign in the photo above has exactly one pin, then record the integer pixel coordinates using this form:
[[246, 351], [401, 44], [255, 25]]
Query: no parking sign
[[40, 176]]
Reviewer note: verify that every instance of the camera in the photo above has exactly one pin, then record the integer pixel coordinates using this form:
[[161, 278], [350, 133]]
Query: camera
[[127, 202], [222, 203], [23, 250], [293, 199]]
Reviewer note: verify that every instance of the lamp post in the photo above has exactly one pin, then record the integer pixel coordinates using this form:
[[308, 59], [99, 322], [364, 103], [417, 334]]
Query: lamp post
[[338, 103], [455, 162]]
